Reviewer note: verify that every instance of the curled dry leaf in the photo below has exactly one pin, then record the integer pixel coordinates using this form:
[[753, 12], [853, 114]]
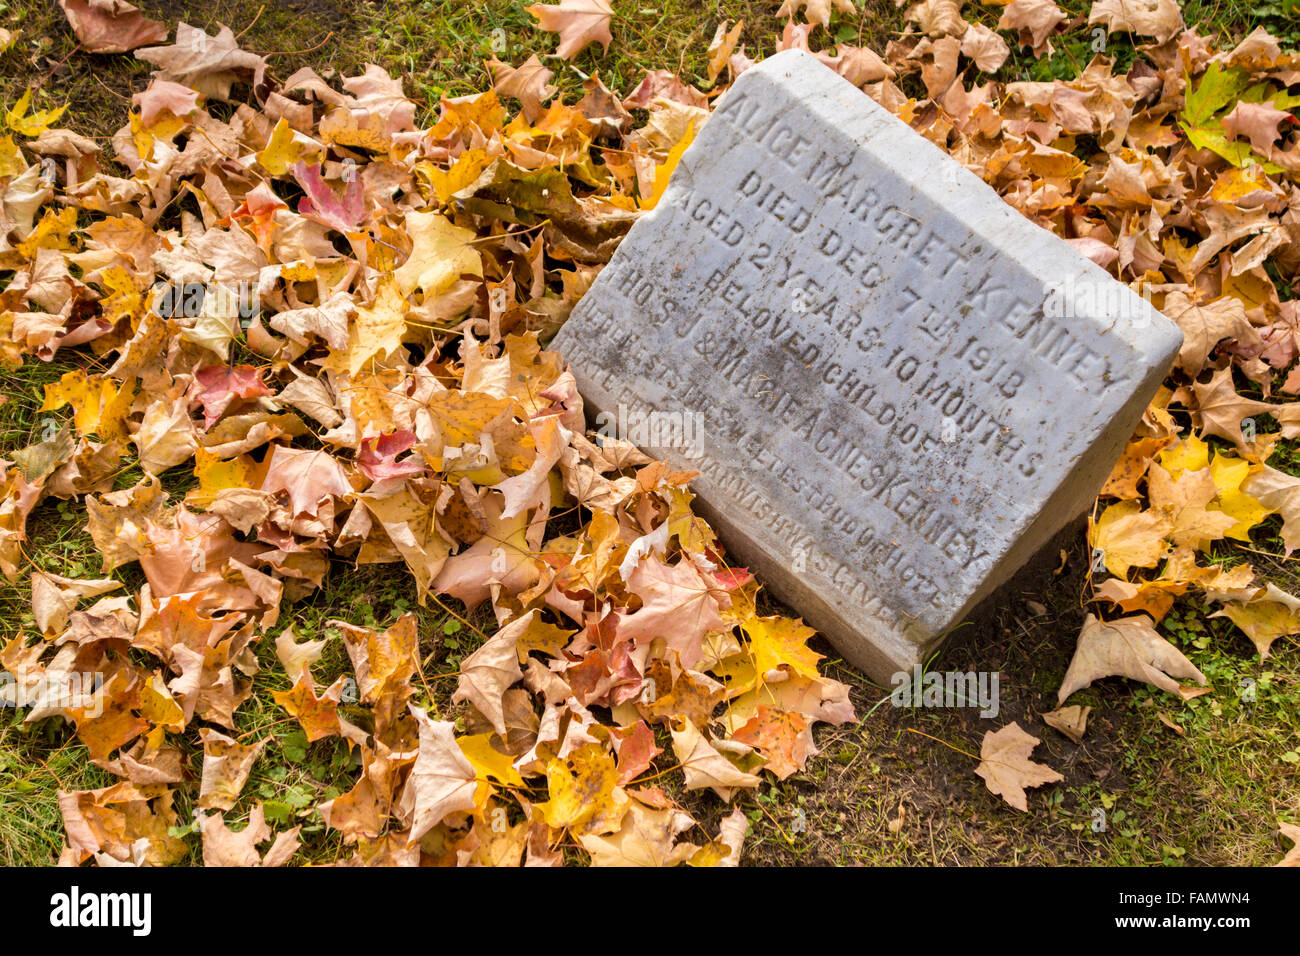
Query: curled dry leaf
[[1071, 721], [1128, 647]]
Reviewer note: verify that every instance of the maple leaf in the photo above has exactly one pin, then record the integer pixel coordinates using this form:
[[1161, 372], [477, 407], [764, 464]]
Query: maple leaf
[[636, 751], [986, 49], [1153, 18], [1036, 20], [37, 123], [781, 642], [1205, 326], [1202, 121], [677, 604], [165, 437], [54, 597], [411, 525], [318, 716], [99, 404], [226, 766], [578, 22], [501, 557], [487, 673], [322, 204], [1222, 409], [722, 46], [1153, 597], [382, 660], [1128, 647], [1278, 492], [783, 738], [308, 477], [121, 823], [647, 837], [1130, 537], [1006, 768], [692, 695], [936, 18], [111, 26], [1266, 615], [1132, 467], [585, 796], [441, 782], [207, 64], [377, 457], [216, 387], [1184, 502], [529, 83], [704, 766], [225, 847], [1258, 122], [442, 253], [488, 761]]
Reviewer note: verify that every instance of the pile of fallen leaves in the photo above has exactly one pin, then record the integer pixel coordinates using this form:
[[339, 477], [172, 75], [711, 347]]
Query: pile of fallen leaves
[[334, 319]]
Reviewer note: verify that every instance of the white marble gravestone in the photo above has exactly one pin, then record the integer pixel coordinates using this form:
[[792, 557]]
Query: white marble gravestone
[[905, 387]]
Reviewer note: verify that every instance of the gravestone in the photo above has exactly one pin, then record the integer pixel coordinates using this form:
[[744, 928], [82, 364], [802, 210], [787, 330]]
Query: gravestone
[[894, 386]]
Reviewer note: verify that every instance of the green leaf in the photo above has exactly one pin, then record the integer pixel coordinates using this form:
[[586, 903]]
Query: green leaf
[[1217, 89]]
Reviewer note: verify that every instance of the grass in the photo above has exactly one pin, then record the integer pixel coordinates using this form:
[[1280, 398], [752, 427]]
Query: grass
[[898, 787]]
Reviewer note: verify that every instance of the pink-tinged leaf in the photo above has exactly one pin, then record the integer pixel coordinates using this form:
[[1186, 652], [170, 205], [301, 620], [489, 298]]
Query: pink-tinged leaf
[[111, 26], [677, 604], [378, 456], [323, 204], [730, 579], [636, 752], [306, 476], [216, 387], [165, 95]]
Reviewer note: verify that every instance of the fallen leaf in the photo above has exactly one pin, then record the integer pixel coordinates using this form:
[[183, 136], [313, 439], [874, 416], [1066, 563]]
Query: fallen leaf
[[1128, 647], [1006, 767], [111, 26]]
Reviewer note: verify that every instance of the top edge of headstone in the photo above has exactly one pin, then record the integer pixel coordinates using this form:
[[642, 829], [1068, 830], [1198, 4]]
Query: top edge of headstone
[[1149, 333]]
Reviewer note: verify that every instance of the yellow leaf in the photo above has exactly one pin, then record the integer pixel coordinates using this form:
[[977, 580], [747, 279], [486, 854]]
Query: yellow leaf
[[1263, 622], [11, 157], [99, 406], [774, 641], [665, 169], [215, 475], [1190, 454], [488, 761], [285, 147], [35, 124], [52, 232], [469, 166], [1228, 472], [443, 252], [588, 798], [1130, 537]]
